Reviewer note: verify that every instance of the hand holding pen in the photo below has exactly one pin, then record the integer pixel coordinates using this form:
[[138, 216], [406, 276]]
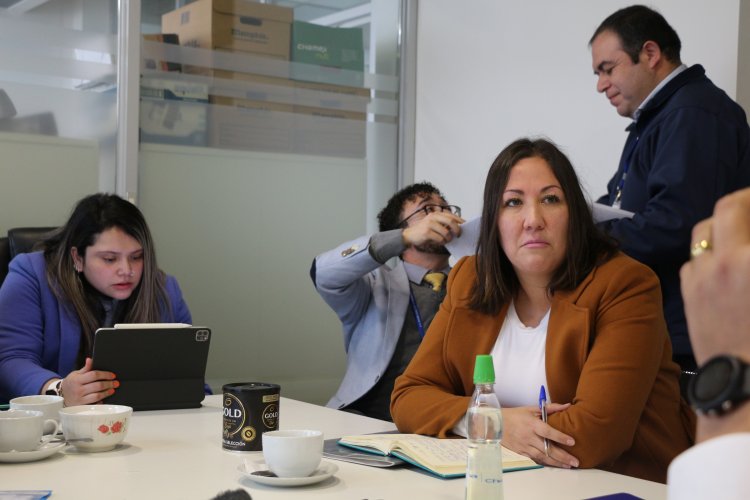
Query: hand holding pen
[[523, 429], [543, 409]]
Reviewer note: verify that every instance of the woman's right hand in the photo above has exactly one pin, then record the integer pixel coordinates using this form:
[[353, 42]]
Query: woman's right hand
[[87, 386], [524, 432]]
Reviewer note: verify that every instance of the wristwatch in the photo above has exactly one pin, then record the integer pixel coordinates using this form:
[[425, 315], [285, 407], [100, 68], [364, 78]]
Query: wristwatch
[[55, 388], [719, 385]]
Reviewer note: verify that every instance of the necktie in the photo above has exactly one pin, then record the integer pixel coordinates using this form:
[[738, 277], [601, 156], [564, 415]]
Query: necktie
[[435, 279]]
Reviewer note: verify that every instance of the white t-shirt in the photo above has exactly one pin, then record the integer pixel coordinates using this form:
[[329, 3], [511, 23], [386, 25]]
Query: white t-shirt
[[715, 469], [518, 358]]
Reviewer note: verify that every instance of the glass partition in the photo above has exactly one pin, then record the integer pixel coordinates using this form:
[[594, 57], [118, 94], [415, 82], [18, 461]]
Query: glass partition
[[262, 146], [57, 106]]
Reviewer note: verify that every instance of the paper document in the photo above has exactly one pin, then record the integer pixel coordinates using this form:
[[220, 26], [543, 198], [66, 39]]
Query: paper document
[[603, 213], [466, 243]]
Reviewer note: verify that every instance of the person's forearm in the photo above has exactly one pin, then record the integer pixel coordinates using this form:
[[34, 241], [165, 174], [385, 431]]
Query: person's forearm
[[737, 420]]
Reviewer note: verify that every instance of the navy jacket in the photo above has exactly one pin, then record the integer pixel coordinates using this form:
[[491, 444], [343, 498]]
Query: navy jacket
[[689, 147]]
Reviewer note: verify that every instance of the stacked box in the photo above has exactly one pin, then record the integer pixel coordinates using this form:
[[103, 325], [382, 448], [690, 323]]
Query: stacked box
[[173, 112], [334, 101], [161, 64], [324, 54], [232, 25], [271, 113]]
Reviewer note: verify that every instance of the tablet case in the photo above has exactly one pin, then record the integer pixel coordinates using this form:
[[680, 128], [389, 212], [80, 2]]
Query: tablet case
[[159, 368]]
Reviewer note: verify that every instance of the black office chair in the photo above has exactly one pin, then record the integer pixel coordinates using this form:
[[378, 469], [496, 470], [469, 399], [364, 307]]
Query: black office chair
[[4, 258], [24, 239], [19, 240]]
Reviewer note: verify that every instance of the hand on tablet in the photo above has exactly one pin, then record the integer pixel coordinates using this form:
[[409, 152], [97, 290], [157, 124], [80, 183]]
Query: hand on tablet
[[87, 386]]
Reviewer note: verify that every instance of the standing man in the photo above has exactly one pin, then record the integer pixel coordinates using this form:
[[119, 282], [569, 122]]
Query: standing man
[[687, 147], [384, 310]]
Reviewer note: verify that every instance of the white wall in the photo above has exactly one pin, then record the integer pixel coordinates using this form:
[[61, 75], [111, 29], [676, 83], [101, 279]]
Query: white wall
[[36, 188], [239, 230], [490, 71]]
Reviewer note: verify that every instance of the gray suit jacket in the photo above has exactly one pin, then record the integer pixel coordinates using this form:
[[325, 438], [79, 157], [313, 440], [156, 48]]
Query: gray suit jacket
[[371, 300]]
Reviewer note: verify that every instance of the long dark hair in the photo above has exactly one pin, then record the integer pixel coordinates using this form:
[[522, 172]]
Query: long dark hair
[[91, 216], [497, 282]]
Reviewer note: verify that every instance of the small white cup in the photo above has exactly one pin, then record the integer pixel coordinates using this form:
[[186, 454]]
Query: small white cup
[[294, 453], [106, 425], [21, 430], [50, 407]]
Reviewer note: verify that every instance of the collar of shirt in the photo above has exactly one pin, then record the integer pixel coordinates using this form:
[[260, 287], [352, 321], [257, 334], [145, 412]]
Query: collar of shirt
[[679, 69], [416, 273]]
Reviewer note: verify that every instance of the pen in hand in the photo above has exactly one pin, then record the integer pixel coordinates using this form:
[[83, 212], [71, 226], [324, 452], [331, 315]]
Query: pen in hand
[[543, 409]]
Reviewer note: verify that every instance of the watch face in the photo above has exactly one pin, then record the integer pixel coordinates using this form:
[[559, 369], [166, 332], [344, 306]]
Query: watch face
[[714, 380], [718, 385]]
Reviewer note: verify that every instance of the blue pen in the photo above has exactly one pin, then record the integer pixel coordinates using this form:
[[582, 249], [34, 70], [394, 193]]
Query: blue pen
[[543, 409]]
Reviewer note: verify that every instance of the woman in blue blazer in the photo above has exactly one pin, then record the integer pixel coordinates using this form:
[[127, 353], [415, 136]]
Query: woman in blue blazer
[[97, 270]]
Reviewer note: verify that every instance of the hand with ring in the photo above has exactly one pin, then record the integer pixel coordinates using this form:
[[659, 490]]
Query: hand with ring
[[700, 247], [715, 286]]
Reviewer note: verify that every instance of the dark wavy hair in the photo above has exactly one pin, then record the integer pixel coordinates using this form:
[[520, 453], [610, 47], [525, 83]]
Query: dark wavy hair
[[390, 217], [497, 282], [637, 24], [91, 216]]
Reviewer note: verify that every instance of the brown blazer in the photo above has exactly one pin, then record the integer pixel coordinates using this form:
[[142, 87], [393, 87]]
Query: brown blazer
[[608, 353]]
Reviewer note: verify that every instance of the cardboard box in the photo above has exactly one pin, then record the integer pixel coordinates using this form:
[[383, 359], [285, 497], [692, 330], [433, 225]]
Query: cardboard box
[[273, 127], [253, 126], [173, 112], [321, 135], [327, 55], [335, 101], [232, 25], [160, 63], [252, 87]]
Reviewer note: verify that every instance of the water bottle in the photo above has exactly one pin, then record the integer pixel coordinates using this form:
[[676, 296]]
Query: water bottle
[[484, 466]]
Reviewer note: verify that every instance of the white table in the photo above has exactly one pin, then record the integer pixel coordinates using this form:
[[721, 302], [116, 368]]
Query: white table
[[177, 454]]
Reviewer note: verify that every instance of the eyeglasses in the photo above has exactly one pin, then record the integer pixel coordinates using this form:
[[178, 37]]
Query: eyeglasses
[[430, 208]]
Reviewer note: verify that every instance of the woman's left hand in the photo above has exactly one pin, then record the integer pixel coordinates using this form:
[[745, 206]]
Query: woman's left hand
[[524, 432]]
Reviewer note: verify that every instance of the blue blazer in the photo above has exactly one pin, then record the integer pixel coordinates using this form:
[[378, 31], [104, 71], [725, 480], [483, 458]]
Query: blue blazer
[[39, 336], [371, 300]]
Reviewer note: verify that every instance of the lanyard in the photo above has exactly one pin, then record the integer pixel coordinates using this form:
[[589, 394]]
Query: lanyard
[[625, 168], [417, 316]]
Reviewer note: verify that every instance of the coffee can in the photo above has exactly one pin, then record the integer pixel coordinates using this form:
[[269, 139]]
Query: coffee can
[[250, 409]]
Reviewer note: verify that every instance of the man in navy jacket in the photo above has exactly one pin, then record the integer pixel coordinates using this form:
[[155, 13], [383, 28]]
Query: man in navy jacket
[[688, 145]]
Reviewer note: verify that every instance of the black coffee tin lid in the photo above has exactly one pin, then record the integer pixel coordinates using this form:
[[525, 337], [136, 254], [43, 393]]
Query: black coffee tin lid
[[249, 386]]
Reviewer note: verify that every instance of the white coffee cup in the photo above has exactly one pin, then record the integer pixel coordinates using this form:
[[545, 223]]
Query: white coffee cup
[[295, 453], [50, 406], [21, 430]]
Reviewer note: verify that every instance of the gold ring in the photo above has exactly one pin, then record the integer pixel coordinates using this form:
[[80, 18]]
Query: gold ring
[[699, 248]]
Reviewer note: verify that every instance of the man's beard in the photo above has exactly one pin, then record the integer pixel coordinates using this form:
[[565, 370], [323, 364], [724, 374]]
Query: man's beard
[[433, 248]]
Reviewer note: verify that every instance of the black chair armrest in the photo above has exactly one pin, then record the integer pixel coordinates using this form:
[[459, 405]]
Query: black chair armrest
[[23, 239]]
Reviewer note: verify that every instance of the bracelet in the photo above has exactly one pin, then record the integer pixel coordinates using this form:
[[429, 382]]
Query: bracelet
[[55, 389]]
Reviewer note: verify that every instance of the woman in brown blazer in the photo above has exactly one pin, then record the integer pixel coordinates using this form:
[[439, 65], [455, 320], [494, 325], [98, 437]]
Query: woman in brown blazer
[[605, 355]]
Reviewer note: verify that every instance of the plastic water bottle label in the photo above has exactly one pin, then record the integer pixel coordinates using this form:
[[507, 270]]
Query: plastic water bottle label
[[484, 472]]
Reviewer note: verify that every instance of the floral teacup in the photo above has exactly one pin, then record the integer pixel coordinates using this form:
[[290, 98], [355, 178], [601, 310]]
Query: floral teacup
[[105, 425]]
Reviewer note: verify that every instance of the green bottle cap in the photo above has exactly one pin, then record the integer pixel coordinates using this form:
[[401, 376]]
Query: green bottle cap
[[484, 370]]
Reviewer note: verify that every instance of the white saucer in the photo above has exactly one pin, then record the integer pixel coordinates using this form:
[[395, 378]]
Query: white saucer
[[324, 471], [43, 451]]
